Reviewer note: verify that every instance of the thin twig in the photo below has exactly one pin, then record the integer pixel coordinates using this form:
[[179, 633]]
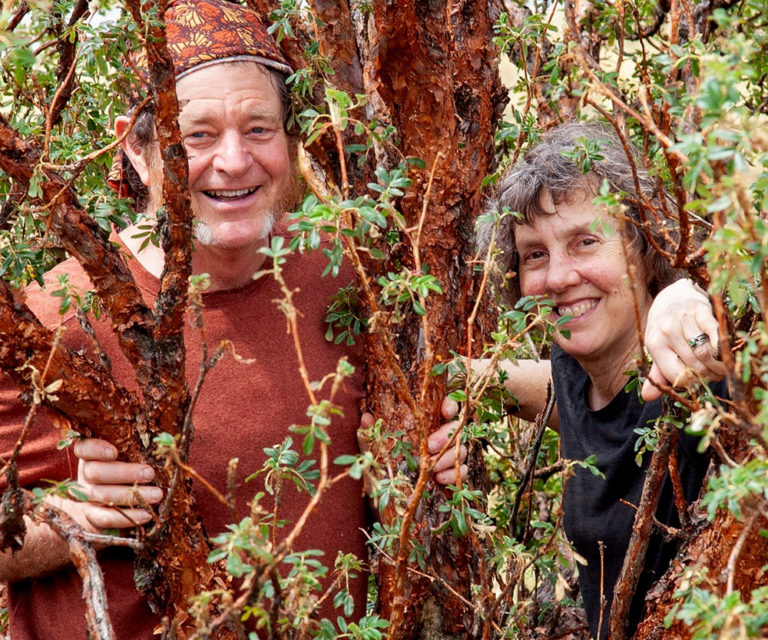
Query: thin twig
[[542, 421]]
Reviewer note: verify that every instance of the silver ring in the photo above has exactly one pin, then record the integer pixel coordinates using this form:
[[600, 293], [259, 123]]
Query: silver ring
[[699, 340]]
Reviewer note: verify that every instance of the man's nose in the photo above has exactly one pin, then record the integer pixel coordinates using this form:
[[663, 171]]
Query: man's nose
[[232, 155], [562, 272]]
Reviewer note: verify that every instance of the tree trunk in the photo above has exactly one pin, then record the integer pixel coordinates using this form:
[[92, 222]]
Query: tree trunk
[[727, 554], [438, 79], [430, 70]]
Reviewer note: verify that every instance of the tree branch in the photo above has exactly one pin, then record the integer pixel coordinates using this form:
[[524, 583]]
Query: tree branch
[[634, 557]]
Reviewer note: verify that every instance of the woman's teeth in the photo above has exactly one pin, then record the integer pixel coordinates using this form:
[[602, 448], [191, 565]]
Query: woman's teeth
[[576, 310]]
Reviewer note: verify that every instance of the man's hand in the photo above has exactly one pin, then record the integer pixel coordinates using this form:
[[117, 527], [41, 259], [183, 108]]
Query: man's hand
[[445, 469], [115, 490], [105, 481], [678, 321]]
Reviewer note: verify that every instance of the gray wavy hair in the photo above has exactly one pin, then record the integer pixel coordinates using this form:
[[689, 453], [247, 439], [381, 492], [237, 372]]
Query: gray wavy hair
[[548, 167]]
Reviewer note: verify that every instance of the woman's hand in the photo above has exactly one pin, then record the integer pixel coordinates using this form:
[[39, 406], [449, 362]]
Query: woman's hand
[[445, 468], [681, 337]]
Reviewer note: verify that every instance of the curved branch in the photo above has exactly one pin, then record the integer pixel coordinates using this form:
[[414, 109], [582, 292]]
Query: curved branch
[[21, 11], [660, 12], [67, 48], [86, 562], [168, 386], [88, 398]]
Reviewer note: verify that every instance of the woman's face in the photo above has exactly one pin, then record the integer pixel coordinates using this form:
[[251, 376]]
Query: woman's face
[[573, 256]]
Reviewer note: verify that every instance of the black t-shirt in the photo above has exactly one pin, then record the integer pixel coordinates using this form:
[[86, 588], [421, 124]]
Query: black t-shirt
[[592, 506]]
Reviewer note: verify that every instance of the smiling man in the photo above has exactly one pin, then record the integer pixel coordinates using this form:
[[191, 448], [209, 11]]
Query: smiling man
[[240, 170], [231, 88], [234, 103]]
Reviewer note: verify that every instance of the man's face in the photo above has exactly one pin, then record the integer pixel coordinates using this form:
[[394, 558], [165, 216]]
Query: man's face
[[239, 166]]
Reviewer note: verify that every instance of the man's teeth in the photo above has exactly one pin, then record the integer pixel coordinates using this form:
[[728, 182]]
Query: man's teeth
[[576, 310], [236, 193]]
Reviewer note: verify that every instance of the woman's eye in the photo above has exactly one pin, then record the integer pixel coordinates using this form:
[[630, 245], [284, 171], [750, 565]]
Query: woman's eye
[[533, 256]]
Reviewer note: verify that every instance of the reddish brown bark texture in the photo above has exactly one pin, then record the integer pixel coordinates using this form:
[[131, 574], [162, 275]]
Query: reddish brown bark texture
[[337, 43], [711, 550], [438, 79], [91, 403], [89, 397], [430, 69], [725, 548]]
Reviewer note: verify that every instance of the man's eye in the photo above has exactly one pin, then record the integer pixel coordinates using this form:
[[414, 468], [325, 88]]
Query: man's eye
[[258, 130], [197, 135]]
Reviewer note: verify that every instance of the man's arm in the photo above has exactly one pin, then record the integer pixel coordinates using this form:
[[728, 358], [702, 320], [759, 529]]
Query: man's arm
[[43, 551]]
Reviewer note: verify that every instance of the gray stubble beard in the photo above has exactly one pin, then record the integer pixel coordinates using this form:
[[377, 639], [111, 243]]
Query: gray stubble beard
[[206, 237]]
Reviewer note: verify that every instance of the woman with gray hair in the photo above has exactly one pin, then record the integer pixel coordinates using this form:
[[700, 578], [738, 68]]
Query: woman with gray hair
[[599, 273], [571, 157]]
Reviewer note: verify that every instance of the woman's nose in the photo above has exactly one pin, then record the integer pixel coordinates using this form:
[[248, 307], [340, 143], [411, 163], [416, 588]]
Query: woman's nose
[[562, 272]]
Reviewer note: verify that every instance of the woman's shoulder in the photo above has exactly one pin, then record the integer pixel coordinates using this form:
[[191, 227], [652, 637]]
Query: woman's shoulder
[[567, 374]]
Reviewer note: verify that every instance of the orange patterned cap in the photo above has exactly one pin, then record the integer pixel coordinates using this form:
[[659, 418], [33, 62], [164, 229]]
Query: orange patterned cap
[[204, 32]]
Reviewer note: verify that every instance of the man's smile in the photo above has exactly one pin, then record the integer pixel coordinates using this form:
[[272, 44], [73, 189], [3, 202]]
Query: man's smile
[[230, 194]]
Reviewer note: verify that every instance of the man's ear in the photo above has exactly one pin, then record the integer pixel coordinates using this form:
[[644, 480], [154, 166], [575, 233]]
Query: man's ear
[[137, 154]]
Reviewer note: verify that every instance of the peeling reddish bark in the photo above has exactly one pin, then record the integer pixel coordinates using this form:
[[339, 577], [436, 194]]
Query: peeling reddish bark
[[293, 48], [167, 386], [81, 236], [711, 549], [337, 44], [92, 404], [438, 80], [89, 398], [66, 47]]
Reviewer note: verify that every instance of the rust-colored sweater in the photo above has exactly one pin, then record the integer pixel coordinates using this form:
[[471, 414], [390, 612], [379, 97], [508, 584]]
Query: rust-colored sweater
[[242, 409]]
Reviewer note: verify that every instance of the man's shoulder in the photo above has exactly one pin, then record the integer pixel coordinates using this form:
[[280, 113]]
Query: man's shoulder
[[46, 301]]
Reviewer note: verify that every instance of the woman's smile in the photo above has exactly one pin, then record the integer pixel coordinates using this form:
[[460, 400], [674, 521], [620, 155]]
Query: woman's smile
[[575, 309]]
